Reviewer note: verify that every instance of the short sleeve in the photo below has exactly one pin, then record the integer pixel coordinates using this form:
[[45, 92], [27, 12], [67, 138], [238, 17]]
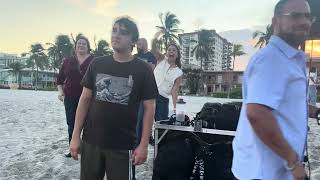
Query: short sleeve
[[88, 79], [266, 82], [179, 73], [149, 89]]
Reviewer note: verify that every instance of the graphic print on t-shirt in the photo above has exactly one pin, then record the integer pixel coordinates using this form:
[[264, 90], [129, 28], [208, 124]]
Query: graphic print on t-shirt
[[114, 89]]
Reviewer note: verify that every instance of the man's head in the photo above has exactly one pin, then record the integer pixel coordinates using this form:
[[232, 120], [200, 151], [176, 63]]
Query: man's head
[[292, 21], [124, 35], [142, 45]]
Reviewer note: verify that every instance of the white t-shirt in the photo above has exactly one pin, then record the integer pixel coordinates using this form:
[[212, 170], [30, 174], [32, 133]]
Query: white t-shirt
[[275, 77], [165, 77]]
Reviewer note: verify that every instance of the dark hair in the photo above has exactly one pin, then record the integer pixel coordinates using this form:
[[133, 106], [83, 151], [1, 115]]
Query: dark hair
[[84, 38], [280, 5], [74, 61], [178, 61], [130, 25]]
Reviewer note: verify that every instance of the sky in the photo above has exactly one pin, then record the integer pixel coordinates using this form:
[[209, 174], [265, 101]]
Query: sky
[[24, 22]]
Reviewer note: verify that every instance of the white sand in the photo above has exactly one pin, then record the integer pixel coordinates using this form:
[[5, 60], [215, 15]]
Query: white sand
[[33, 135]]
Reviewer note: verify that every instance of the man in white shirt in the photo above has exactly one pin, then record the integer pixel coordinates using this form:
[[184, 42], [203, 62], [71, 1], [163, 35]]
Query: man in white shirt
[[272, 130]]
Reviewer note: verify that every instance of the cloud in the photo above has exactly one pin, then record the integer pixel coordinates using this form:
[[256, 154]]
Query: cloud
[[84, 4], [106, 7], [100, 7], [198, 23]]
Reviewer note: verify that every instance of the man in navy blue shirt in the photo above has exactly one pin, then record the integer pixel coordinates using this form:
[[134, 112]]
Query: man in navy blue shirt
[[146, 56]]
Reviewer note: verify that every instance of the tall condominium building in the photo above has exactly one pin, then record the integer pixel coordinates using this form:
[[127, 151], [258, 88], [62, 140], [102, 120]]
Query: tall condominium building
[[220, 60]]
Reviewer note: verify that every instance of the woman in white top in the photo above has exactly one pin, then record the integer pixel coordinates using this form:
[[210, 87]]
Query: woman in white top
[[168, 76]]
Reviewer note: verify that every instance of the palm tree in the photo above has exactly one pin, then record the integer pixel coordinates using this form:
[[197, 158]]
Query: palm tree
[[75, 39], [64, 46], [264, 37], [37, 58], [203, 50], [16, 69], [156, 47], [102, 48], [60, 49], [237, 51], [169, 29]]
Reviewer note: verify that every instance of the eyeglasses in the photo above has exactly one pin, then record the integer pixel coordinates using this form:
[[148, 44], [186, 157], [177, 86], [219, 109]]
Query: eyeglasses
[[297, 15]]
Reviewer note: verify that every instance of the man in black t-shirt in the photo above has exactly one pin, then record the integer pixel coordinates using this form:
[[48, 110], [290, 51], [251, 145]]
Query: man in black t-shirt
[[148, 57], [113, 87]]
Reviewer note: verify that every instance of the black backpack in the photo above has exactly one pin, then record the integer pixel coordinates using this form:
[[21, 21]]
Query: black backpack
[[175, 160], [208, 114], [227, 118], [213, 161]]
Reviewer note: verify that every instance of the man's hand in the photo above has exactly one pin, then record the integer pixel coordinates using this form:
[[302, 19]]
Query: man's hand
[[140, 155], [75, 147], [61, 97], [299, 173]]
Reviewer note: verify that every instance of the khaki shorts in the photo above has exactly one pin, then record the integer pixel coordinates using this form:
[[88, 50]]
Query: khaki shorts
[[96, 162]]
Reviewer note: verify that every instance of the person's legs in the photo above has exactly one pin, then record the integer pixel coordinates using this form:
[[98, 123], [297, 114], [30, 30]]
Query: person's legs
[[92, 162], [70, 104], [312, 94], [162, 108], [119, 165]]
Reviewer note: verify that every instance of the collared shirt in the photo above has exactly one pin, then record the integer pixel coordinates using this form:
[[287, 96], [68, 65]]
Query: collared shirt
[[275, 77]]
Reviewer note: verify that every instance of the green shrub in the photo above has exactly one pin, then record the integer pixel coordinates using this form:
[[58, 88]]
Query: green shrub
[[236, 93], [220, 95]]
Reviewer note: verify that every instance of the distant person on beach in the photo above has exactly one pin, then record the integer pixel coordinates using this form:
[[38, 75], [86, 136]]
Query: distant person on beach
[[146, 56], [113, 88], [312, 87], [168, 76], [271, 135], [68, 80]]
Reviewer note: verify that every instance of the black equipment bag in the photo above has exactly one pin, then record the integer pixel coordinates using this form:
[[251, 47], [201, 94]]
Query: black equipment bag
[[208, 114], [228, 117], [175, 158]]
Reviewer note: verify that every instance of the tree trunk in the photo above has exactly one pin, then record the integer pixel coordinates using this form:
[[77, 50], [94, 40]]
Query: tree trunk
[[19, 80], [36, 88], [234, 59], [201, 83]]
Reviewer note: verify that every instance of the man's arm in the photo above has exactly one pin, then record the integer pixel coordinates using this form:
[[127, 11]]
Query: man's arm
[[81, 114], [267, 129], [148, 116]]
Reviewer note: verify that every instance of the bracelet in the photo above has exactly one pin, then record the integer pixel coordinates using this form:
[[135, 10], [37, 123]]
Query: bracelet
[[293, 167]]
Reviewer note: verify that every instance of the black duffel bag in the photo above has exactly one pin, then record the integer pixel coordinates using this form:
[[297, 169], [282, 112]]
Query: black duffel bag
[[227, 118], [174, 161]]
